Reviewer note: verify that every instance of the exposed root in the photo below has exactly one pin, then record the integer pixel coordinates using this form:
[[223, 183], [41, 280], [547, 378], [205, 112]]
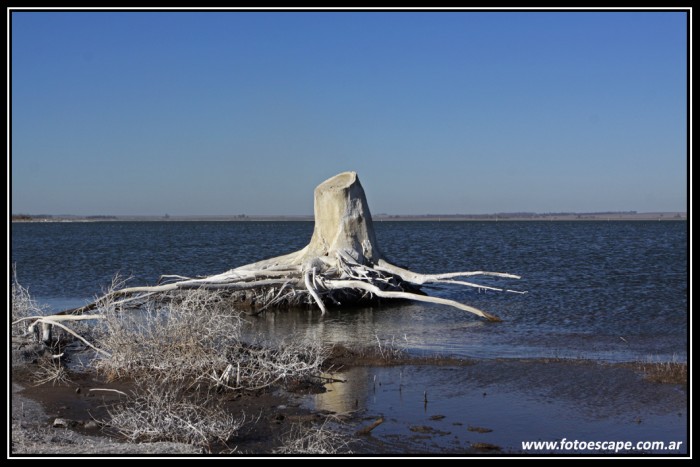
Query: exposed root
[[311, 287], [48, 322], [342, 264], [290, 287], [355, 284]]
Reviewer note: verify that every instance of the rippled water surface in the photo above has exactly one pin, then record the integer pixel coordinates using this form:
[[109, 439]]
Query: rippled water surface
[[613, 291]]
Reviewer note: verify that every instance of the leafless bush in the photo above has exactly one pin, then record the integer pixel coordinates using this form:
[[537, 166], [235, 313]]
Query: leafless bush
[[182, 339], [161, 411], [259, 366], [179, 352], [25, 345], [49, 369], [23, 306], [303, 439], [196, 337]]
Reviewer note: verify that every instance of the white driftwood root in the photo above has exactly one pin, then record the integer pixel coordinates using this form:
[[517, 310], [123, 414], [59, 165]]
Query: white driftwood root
[[49, 321], [341, 264], [410, 296]]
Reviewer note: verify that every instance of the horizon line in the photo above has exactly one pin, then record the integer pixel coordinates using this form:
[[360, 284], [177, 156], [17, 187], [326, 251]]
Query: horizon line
[[378, 215]]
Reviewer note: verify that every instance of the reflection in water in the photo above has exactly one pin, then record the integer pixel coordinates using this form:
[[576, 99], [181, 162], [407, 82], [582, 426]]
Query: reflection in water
[[427, 329], [351, 395], [517, 401], [350, 326]]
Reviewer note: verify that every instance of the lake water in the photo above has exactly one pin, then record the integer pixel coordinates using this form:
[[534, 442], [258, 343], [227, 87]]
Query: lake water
[[610, 291]]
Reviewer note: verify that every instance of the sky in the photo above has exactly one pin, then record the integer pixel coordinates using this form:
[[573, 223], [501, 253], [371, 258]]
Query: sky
[[227, 113]]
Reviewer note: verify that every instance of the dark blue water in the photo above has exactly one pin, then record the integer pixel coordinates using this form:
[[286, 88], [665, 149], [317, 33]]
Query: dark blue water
[[603, 290], [517, 401]]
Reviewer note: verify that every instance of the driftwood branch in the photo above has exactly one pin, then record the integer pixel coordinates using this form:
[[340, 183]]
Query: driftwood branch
[[49, 321], [368, 429]]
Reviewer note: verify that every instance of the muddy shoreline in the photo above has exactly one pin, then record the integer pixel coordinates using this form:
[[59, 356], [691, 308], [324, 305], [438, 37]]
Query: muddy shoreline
[[427, 406], [66, 419]]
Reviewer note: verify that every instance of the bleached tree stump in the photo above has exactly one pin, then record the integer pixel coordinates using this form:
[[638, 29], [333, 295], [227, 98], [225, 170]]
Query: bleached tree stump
[[341, 264]]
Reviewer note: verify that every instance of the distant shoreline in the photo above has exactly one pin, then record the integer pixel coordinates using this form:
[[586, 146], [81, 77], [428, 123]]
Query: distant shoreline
[[611, 216]]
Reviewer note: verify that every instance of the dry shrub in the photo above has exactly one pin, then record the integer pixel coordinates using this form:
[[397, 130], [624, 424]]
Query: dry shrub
[[160, 411], [181, 353], [304, 439], [179, 340], [197, 338], [50, 369], [25, 345], [259, 366], [23, 306]]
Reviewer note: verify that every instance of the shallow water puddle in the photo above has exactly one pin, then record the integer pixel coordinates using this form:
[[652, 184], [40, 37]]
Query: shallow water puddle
[[493, 406]]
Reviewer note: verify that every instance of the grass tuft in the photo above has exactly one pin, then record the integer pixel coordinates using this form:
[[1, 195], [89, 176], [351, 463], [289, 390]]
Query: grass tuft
[[664, 372]]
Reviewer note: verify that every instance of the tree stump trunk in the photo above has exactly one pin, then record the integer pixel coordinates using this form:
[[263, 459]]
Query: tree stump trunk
[[341, 264]]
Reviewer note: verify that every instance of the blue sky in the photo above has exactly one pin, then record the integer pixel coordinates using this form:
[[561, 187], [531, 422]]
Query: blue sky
[[239, 112]]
